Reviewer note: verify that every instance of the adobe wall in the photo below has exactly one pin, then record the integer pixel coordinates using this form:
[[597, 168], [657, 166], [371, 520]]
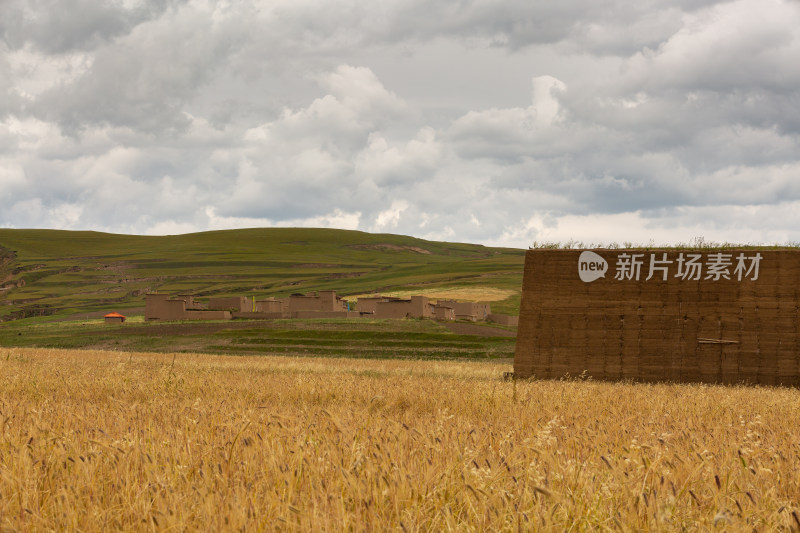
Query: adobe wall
[[271, 306], [416, 307], [475, 310], [189, 299], [367, 305], [160, 307], [504, 320], [393, 309], [236, 303], [152, 304], [454, 305], [328, 301], [482, 311], [370, 303], [723, 316], [468, 310], [207, 315], [324, 301], [444, 312], [421, 307]]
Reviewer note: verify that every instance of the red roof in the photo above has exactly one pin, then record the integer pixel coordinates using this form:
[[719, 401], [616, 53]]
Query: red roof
[[114, 315]]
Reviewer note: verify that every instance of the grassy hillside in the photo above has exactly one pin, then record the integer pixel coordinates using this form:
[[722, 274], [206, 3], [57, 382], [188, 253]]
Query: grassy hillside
[[50, 272]]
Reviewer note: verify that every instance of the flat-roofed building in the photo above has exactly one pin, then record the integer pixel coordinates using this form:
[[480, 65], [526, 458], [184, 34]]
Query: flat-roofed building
[[272, 305], [415, 307], [322, 302], [235, 304], [472, 311], [161, 307], [444, 312]]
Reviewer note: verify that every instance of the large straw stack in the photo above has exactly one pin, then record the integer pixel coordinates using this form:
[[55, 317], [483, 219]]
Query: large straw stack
[[706, 330]]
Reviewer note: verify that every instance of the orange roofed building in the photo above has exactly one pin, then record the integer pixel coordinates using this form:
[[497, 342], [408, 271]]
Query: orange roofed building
[[114, 318]]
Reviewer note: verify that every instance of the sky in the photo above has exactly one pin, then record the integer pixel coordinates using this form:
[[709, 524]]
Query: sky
[[499, 122]]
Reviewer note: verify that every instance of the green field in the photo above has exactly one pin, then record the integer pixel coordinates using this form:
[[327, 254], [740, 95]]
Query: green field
[[359, 338], [68, 273]]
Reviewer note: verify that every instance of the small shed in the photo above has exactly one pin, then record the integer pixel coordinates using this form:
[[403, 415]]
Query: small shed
[[114, 318]]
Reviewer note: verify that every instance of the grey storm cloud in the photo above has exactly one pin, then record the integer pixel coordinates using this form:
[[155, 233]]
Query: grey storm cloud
[[501, 122], [60, 27]]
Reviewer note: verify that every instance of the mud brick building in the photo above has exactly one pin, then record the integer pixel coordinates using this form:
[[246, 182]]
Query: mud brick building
[[472, 311], [322, 304], [414, 307], [325, 304], [710, 315]]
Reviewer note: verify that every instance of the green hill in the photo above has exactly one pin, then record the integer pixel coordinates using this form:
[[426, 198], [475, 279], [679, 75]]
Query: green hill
[[52, 272]]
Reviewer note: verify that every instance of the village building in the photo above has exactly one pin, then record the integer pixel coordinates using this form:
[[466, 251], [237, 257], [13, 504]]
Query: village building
[[322, 304], [114, 318], [414, 307], [325, 304], [367, 305], [472, 311], [163, 307], [238, 304], [181, 307], [272, 305], [444, 312]]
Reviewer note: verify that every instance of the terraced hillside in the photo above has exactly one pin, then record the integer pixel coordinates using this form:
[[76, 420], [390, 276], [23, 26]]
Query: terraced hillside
[[62, 273]]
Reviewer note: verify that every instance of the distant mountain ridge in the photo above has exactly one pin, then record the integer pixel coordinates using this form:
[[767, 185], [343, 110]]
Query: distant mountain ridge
[[55, 272]]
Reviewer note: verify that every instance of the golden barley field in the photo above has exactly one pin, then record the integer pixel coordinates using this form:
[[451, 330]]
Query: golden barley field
[[99, 441], [478, 294]]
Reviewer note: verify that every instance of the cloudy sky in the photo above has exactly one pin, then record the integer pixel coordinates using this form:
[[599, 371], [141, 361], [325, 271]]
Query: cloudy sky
[[500, 122]]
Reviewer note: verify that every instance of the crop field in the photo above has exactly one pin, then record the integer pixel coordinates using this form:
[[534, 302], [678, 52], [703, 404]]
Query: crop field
[[476, 294], [362, 338], [101, 440], [66, 273]]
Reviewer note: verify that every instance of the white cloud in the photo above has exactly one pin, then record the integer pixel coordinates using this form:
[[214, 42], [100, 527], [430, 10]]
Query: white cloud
[[517, 132], [389, 218], [399, 166], [335, 219], [12, 178], [743, 44], [749, 224], [356, 105], [170, 227], [493, 121], [33, 214]]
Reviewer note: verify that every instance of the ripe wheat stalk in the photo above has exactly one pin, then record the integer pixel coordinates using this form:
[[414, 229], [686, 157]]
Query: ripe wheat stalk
[[96, 441]]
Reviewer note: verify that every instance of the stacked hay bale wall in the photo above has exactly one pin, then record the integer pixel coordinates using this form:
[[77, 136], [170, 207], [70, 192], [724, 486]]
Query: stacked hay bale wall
[[718, 316]]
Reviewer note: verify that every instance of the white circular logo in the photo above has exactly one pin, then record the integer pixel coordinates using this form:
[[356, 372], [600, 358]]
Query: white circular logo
[[591, 266]]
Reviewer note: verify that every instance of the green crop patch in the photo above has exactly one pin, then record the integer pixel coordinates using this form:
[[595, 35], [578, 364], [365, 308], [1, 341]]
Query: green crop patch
[[362, 338]]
